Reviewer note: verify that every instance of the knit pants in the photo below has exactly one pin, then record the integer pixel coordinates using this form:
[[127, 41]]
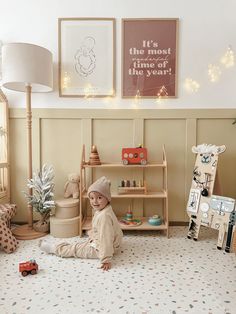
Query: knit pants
[[79, 250]]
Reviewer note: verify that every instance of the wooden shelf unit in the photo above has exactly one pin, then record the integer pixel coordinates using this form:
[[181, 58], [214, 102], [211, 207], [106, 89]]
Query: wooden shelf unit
[[162, 194]]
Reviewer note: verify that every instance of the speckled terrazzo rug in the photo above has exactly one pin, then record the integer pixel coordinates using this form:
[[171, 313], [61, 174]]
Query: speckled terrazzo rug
[[153, 274]]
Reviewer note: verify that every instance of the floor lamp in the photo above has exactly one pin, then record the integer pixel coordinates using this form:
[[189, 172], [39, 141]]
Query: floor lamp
[[27, 68]]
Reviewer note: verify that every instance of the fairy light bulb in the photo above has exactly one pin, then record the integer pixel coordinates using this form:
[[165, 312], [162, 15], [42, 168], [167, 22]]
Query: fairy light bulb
[[137, 97], [214, 72], [112, 92], [65, 80], [191, 86], [162, 92], [88, 89], [228, 58], [161, 95]]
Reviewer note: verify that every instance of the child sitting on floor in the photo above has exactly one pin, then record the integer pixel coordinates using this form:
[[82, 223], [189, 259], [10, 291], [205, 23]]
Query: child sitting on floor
[[105, 236]]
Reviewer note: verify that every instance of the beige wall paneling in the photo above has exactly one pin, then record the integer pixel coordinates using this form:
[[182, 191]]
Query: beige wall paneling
[[219, 132], [172, 134], [58, 136], [36, 158], [5, 188], [18, 162], [19, 155], [36, 143], [86, 138], [191, 140], [61, 145]]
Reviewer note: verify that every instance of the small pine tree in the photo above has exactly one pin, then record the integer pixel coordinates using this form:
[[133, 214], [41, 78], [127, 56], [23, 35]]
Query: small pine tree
[[43, 187]]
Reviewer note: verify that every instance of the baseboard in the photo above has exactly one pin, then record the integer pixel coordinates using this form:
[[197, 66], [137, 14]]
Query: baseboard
[[171, 223], [178, 223]]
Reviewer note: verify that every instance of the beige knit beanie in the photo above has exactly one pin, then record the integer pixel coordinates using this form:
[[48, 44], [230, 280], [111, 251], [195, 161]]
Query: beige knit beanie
[[102, 186]]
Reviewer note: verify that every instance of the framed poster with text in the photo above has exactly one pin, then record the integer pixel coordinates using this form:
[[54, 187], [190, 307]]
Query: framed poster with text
[[149, 53]]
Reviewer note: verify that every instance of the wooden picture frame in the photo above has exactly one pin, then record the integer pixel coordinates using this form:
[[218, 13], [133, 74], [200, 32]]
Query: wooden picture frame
[[86, 49], [150, 57]]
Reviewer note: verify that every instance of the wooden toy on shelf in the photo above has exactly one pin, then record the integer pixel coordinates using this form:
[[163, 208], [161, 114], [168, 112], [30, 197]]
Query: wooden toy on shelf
[[129, 214], [94, 156], [129, 192], [132, 189], [129, 221], [28, 267], [155, 220], [136, 155]]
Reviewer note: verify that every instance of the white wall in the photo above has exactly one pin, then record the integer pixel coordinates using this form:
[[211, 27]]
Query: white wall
[[207, 28]]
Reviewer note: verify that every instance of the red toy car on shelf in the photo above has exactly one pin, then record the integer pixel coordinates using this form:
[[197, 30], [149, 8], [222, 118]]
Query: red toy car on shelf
[[29, 267], [136, 155]]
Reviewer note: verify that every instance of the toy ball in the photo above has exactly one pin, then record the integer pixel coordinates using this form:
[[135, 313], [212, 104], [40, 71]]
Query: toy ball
[[155, 220]]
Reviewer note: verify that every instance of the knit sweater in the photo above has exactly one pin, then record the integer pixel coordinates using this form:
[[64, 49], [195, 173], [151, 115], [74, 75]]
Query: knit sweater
[[106, 233]]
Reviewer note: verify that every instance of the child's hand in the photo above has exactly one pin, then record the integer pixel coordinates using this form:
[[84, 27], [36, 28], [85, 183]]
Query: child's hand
[[105, 266]]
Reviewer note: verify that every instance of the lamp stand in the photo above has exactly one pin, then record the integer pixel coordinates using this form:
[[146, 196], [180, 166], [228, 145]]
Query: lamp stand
[[26, 232]]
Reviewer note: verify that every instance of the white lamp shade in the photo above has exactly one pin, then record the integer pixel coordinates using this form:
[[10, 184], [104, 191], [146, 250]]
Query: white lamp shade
[[27, 64]]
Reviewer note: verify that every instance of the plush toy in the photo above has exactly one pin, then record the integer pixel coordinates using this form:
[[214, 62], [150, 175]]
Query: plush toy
[[72, 186]]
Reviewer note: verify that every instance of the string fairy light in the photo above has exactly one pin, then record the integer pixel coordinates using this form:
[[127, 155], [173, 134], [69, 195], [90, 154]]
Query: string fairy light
[[191, 86], [65, 81], [162, 92], [89, 91], [214, 72], [137, 97], [228, 58]]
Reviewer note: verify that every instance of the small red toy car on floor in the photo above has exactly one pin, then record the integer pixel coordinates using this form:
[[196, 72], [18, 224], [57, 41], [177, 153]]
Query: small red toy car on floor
[[29, 267]]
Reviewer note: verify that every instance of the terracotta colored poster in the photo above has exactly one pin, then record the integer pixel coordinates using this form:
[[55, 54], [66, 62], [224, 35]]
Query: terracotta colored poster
[[149, 58]]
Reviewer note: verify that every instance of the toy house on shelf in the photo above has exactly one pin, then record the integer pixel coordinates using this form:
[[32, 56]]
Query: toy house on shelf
[[132, 193]]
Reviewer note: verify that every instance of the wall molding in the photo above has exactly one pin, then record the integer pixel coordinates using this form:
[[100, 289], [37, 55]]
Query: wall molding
[[58, 136], [51, 113]]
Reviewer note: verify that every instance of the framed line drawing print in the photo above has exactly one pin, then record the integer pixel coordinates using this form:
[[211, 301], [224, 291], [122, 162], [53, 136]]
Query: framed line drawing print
[[86, 49], [149, 54]]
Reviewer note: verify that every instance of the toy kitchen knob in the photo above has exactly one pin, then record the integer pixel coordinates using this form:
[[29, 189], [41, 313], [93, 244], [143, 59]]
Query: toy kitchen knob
[[204, 192]]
